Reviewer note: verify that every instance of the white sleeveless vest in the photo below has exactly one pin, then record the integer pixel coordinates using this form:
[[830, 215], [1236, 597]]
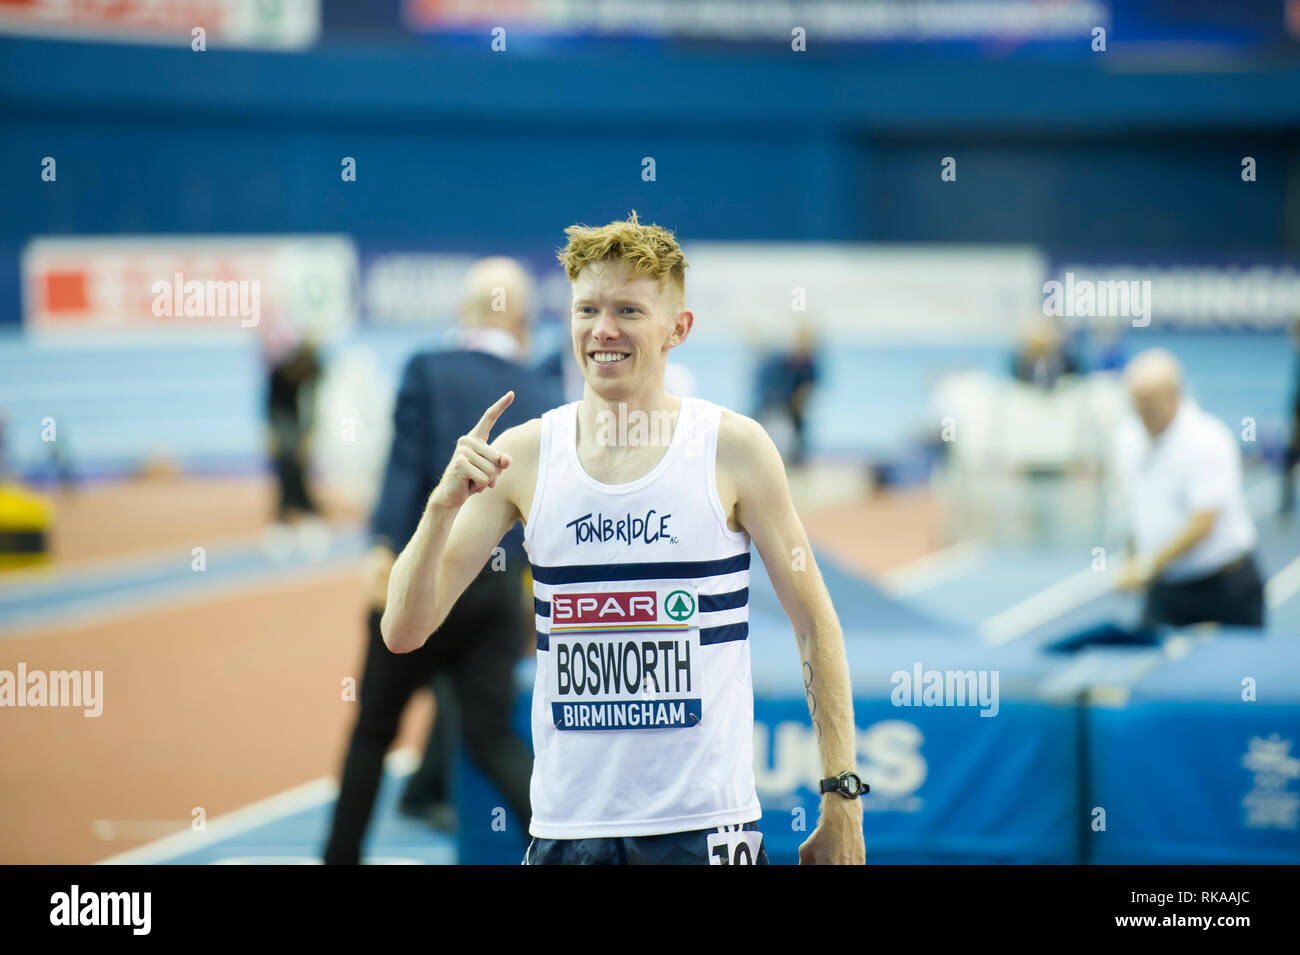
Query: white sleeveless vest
[[643, 706]]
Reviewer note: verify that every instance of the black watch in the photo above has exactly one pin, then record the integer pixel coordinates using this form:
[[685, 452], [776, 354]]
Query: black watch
[[849, 785]]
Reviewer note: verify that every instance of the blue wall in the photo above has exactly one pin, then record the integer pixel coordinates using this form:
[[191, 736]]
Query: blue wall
[[463, 147]]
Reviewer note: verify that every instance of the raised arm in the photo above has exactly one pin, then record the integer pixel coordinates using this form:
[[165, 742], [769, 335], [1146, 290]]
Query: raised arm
[[752, 468], [464, 519]]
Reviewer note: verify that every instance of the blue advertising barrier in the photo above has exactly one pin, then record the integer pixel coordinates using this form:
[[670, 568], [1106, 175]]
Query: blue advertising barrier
[[989, 779], [946, 785], [1199, 765]]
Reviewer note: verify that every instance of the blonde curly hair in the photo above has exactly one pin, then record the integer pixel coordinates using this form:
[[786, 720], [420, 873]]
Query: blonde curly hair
[[648, 250]]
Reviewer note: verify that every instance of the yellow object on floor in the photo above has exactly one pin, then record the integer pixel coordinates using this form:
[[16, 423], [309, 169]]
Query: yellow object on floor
[[24, 527]]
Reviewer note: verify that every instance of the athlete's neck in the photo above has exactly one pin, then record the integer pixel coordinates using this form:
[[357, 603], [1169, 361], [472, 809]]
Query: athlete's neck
[[595, 411]]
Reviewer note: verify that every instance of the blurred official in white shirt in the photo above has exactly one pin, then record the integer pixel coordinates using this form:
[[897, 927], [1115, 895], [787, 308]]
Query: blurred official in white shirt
[[1191, 535]]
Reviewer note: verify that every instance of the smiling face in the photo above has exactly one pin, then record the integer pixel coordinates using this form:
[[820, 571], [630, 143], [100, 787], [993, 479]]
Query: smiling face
[[623, 329]]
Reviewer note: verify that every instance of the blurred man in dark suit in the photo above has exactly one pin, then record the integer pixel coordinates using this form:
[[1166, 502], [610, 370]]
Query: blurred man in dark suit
[[441, 396]]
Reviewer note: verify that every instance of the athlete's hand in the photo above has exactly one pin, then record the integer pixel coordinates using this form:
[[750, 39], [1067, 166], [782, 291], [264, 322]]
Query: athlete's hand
[[837, 840], [475, 466]]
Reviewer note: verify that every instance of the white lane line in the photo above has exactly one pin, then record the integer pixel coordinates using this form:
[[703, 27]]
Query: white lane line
[[232, 824], [935, 568], [1284, 585], [1046, 605], [144, 558], [163, 599], [134, 830], [116, 567], [400, 762]]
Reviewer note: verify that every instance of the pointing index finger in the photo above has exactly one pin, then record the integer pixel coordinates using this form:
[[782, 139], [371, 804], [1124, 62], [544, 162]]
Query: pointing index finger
[[485, 423]]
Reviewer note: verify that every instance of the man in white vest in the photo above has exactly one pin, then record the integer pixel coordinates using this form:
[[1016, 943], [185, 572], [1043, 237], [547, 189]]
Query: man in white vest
[[638, 508]]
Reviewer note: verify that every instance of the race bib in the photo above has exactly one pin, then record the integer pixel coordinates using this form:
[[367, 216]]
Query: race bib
[[734, 846], [625, 660]]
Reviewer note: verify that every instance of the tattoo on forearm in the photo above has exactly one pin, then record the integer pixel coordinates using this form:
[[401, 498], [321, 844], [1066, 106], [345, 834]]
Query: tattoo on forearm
[[812, 699]]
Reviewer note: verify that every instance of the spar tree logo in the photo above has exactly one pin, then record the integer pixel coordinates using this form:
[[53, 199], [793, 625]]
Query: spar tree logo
[[679, 605]]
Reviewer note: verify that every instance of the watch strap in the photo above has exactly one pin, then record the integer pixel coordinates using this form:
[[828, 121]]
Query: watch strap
[[837, 784]]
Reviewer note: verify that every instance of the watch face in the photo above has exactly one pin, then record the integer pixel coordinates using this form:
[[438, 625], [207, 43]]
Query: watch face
[[851, 785]]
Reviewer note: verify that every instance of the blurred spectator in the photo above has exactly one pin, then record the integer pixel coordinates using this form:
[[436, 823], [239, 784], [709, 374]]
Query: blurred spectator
[[1042, 358], [785, 383], [441, 397], [1292, 459], [290, 405], [1191, 535]]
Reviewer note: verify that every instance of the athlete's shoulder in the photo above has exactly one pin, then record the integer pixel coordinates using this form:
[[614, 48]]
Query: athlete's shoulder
[[521, 438], [735, 429], [744, 444]]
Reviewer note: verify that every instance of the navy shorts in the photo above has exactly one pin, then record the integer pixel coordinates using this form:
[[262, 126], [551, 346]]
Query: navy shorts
[[724, 845]]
